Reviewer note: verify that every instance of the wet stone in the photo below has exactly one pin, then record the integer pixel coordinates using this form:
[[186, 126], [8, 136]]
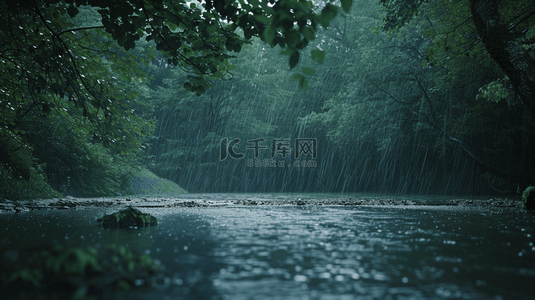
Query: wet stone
[[127, 218], [21, 208], [63, 203]]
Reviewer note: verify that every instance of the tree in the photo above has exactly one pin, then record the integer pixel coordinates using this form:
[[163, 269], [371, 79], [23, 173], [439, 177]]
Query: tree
[[422, 109], [508, 41], [82, 60], [505, 42]]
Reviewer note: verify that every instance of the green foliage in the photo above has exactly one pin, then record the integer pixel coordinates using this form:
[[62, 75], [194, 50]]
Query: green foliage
[[33, 276], [318, 55], [71, 261], [17, 189], [528, 198], [72, 271], [346, 5], [400, 12], [66, 118], [496, 91], [74, 95], [394, 111], [127, 218], [409, 105]]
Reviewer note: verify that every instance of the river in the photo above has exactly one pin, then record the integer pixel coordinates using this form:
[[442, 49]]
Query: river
[[311, 251]]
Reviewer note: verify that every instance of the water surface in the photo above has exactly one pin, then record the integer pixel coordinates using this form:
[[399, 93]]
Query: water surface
[[312, 252]]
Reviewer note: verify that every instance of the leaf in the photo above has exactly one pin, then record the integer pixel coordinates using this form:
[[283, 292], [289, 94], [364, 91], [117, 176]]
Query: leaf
[[308, 33], [346, 5], [287, 51], [303, 84], [308, 71], [29, 275], [328, 13], [72, 11], [292, 37], [248, 33], [199, 90], [294, 59], [229, 45], [237, 48], [317, 55], [269, 34], [262, 19], [298, 77]]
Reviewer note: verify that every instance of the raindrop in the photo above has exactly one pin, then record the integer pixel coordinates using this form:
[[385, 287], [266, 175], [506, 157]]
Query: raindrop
[[139, 282]]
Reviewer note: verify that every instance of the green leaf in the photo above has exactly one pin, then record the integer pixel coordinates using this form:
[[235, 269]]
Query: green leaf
[[269, 34], [317, 55], [308, 71], [292, 37], [237, 48], [303, 84], [294, 59], [248, 33], [308, 33], [72, 11], [262, 19], [229, 45], [287, 51], [298, 77], [328, 13], [346, 5]]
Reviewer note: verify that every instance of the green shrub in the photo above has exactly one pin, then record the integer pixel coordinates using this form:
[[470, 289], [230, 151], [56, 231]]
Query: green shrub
[[69, 272], [528, 198], [21, 189]]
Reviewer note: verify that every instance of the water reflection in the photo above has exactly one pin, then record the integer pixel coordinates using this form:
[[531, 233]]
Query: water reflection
[[312, 252], [375, 253]]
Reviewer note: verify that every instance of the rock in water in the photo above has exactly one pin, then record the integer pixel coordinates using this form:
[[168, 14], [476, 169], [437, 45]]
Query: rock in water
[[127, 218]]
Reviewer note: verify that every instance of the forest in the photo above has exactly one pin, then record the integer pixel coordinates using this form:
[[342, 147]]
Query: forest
[[401, 97]]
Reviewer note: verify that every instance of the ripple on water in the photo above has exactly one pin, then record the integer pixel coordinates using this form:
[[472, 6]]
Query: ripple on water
[[318, 253], [335, 252]]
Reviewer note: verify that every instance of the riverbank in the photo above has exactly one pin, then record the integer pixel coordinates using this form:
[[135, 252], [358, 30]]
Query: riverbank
[[214, 200]]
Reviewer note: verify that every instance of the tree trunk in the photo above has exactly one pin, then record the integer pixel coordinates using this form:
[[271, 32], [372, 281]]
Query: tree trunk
[[514, 60]]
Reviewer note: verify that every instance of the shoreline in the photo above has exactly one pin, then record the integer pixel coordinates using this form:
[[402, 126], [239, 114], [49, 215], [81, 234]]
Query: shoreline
[[235, 200]]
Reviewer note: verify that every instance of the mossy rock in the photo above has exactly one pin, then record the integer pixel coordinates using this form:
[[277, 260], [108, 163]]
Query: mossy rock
[[127, 218], [528, 198]]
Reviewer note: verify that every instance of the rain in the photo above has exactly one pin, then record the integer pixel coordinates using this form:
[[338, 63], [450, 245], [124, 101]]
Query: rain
[[267, 149]]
